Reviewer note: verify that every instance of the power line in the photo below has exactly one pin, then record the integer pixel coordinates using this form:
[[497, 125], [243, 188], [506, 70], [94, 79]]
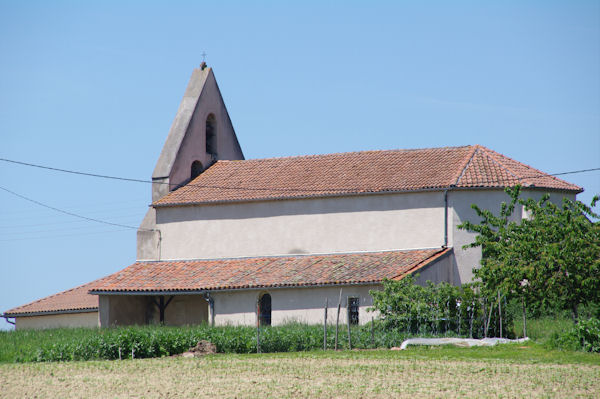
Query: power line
[[74, 172], [193, 185], [572, 172], [62, 235], [66, 212], [320, 190], [73, 223]]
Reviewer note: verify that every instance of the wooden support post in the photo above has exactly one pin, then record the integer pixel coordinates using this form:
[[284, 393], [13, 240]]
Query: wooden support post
[[489, 320], [471, 319], [500, 313], [325, 325], [349, 320], [337, 320], [372, 332], [161, 309], [258, 326], [484, 320], [524, 318], [161, 305], [459, 319], [211, 304]]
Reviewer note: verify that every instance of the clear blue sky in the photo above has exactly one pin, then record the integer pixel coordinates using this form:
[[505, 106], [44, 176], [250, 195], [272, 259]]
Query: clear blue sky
[[95, 87]]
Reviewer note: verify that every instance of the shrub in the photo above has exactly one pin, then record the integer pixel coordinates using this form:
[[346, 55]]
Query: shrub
[[585, 336], [439, 309]]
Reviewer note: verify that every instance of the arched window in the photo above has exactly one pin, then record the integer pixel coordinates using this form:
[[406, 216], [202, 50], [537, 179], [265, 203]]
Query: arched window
[[211, 135], [264, 309], [196, 170]]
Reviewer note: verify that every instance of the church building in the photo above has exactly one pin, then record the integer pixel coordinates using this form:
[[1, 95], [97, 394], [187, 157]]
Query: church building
[[234, 241]]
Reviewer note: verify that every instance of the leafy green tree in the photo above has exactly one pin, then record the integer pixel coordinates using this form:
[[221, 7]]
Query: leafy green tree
[[551, 258]]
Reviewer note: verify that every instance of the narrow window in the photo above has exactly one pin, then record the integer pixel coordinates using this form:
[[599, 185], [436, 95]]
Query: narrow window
[[196, 169], [211, 135], [353, 310], [264, 308]]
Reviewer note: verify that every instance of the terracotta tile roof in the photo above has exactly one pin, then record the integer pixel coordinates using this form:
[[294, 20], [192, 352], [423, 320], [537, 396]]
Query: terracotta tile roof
[[264, 272], [75, 299], [359, 172]]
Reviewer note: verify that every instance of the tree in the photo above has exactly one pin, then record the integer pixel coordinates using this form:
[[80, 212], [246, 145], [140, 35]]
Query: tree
[[551, 258]]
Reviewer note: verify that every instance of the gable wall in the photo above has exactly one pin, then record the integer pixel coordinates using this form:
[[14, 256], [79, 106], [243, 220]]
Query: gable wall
[[193, 146], [309, 226]]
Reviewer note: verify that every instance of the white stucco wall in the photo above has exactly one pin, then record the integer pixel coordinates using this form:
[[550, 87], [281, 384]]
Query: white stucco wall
[[324, 225], [304, 305], [330, 225], [86, 319]]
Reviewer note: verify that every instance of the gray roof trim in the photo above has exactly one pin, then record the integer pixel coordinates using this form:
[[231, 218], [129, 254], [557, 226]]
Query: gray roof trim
[[266, 287], [353, 194], [48, 313]]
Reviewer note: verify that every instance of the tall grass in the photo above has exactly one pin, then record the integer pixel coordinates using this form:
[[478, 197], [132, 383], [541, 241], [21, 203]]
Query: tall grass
[[22, 345], [543, 328], [157, 341]]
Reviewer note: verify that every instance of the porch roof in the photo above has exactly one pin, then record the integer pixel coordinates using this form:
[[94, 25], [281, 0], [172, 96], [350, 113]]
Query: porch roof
[[74, 300], [266, 272]]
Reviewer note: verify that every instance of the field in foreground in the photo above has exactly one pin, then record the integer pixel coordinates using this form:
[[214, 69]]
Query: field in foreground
[[514, 371]]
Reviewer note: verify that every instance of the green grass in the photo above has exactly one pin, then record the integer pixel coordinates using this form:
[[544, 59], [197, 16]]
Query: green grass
[[156, 341], [524, 353], [542, 329]]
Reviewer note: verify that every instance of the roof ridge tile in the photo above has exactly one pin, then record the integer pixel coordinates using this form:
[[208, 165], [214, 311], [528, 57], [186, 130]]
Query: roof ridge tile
[[487, 151], [467, 163]]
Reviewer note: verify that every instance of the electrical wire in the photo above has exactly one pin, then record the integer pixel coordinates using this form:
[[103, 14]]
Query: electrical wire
[[62, 222], [66, 212], [539, 176], [193, 185], [62, 235]]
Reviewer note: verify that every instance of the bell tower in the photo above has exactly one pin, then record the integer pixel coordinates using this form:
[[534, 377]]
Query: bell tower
[[201, 134]]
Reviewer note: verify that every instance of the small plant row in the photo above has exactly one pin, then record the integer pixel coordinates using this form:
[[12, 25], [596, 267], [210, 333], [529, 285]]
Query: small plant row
[[157, 341]]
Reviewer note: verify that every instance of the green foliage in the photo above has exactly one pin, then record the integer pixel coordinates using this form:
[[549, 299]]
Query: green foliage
[[584, 336], [549, 260], [543, 328], [435, 309], [157, 341]]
